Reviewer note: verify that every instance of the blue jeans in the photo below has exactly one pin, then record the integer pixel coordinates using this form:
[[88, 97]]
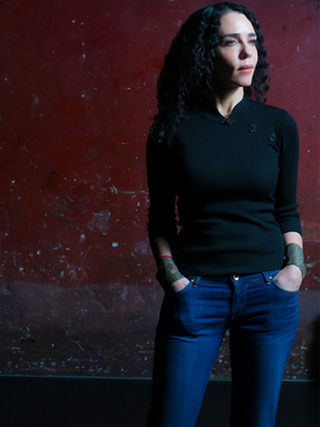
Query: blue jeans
[[262, 318]]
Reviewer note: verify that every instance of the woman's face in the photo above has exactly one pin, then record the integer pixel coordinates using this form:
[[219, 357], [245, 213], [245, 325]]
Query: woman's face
[[236, 55]]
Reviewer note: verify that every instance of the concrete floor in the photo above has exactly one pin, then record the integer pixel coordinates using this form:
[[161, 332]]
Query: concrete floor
[[94, 402]]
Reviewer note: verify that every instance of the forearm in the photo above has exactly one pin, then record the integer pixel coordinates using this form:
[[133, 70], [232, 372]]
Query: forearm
[[168, 274], [160, 248], [294, 251], [293, 237]]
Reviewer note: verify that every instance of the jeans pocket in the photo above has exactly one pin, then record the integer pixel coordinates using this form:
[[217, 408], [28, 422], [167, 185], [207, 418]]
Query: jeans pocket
[[183, 290], [271, 275]]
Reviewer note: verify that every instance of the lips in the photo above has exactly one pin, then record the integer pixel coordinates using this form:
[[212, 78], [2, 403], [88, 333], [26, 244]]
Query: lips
[[247, 69]]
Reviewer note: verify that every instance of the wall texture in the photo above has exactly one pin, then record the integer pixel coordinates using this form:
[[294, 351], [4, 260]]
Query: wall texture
[[77, 81]]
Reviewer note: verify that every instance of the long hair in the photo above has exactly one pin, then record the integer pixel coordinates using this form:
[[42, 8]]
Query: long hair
[[187, 74]]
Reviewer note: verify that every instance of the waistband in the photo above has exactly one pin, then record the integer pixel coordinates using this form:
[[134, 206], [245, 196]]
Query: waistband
[[232, 278]]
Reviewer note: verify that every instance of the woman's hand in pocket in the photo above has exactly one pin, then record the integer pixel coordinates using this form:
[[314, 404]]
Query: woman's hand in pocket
[[178, 285], [289, 278]]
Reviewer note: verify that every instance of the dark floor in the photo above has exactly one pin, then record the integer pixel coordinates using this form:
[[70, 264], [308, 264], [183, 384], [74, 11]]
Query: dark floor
[[95, 402]]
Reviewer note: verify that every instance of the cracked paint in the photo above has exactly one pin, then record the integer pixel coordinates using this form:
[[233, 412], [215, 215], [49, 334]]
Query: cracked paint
[[100, 222]]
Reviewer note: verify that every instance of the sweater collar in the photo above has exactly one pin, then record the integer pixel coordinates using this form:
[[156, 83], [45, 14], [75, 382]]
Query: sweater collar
[[242, 108]]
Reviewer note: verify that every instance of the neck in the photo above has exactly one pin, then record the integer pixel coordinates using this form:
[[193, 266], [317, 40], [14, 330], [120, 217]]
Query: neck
[[225, 101]]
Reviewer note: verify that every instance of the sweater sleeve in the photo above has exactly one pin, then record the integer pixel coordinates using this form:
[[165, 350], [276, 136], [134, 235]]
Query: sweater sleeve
[[286, 213], [162, 218]]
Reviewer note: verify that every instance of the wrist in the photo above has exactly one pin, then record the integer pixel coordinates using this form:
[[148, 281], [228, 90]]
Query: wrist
[[294, 256], [168, 272]]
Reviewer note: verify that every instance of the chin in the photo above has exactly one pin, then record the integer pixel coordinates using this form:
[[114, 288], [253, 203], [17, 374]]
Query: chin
[[245, 82]]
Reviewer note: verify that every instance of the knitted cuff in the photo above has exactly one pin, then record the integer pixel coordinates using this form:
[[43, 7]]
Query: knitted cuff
[[168, 272], [294, 256]]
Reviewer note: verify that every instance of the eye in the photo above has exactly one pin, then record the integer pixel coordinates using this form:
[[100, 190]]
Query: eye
[[229, 42], [253, 41]]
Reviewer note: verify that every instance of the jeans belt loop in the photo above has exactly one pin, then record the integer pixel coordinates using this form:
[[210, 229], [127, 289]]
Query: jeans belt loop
[[195, 280], [266, 278]]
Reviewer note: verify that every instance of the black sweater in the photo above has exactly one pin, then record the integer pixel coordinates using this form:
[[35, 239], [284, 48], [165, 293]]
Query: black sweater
[[235, 185]]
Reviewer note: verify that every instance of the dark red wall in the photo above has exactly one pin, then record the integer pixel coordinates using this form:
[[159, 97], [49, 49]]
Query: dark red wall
[[77, 81]]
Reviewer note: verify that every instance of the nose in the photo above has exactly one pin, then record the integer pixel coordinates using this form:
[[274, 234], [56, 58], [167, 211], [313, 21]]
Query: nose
[[246, 51]]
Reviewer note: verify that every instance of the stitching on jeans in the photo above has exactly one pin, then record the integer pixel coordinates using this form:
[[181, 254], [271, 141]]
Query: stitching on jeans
[[251, 281]]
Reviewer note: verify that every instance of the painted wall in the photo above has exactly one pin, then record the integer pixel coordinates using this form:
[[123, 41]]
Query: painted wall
[[77, 82]]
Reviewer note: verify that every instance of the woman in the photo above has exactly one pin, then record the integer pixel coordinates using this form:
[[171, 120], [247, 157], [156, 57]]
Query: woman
[[235, 260]]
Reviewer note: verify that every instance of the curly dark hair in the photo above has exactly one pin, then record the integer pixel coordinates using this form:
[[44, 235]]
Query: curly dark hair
[[187, 75]]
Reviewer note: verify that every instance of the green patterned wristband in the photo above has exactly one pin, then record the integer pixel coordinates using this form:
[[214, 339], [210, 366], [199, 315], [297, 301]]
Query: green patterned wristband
[[168, 272], [294, 256]]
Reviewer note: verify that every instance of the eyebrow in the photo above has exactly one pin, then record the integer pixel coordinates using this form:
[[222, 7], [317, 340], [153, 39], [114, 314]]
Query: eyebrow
[[238, 34]]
